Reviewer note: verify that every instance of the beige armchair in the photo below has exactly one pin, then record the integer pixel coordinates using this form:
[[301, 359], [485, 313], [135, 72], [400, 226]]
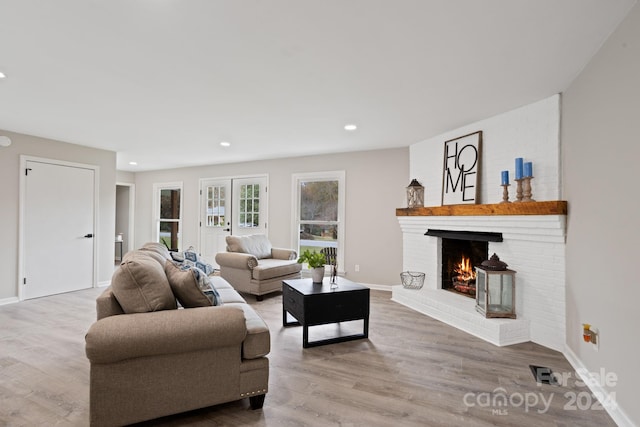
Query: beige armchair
[[251, 265]]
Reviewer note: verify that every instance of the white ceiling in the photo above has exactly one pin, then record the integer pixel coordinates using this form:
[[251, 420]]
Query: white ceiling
[[163, 82]]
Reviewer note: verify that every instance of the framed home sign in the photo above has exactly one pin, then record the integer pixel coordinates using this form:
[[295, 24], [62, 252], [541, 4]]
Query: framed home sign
[[460, 177]]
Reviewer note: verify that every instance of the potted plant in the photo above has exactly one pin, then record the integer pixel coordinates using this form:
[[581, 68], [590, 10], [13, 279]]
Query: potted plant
[[316, 262]]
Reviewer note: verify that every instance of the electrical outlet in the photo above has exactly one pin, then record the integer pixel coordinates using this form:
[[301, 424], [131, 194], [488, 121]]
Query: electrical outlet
[[357, 268]]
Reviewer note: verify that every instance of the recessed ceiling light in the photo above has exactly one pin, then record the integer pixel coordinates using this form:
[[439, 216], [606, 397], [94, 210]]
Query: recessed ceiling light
[[133, 163], [350, 127], [2, 75], [225, 144]]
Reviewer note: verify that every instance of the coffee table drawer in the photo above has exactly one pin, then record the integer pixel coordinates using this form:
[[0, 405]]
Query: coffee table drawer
[[338, 307], [293, 302]]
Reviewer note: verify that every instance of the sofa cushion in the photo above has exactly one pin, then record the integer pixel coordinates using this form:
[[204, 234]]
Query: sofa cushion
[[257, 343], [254, 244], [157, 250], [191, 286], [230, 295], [271, 268], [140, 284]]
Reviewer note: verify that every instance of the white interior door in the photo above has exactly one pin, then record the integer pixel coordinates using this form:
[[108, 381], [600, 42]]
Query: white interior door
[[58, 240], [215, 221], [235, 206]]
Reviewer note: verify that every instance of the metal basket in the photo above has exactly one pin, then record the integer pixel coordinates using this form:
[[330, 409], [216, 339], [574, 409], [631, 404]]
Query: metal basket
[[412, 279]]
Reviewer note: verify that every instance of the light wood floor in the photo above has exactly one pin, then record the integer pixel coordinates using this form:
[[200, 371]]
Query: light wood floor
[[412, 371]]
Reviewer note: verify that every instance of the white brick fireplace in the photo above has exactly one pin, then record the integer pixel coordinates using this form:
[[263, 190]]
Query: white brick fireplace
[[533, 245]]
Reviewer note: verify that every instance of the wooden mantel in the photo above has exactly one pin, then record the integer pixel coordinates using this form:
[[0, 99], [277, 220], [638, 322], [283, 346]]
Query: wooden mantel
[[554, 207]]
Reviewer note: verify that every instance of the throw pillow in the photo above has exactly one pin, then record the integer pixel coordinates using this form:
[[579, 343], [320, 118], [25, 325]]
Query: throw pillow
[[191, 258], [191, 286], [140, 284]]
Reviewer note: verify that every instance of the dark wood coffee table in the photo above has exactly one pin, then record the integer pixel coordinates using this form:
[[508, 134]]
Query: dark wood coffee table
[[317, 304]]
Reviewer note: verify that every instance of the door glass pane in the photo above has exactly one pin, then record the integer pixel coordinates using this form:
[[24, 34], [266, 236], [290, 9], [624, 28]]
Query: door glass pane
[[215, 206], [249, 206]]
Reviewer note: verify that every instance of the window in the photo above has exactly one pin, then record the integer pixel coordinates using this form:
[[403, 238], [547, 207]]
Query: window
[[249, 214], [216, 202], [319, 212], [168, 214]]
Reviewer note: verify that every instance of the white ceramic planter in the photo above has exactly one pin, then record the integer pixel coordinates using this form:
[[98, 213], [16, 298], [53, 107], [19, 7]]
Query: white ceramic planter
[[317, 274]]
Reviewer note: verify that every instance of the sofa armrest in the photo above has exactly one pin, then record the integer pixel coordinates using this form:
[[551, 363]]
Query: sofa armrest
[[128, 336], [236, 260], [280, 253]]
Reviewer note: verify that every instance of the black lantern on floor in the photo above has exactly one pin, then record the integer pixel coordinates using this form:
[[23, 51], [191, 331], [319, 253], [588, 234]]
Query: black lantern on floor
[[415, 195], [495, 289]]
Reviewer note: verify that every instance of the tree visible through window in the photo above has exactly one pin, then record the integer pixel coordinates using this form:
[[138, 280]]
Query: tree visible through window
[[320, 211], [318, 214], [168, 214]]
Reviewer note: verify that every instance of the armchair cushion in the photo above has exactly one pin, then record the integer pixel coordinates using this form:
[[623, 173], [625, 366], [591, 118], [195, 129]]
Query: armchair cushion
[[191, 286], [271, 268], [254, 244], [140, 284]]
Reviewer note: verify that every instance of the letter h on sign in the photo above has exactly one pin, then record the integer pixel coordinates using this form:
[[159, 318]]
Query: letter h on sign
[[461, 169]]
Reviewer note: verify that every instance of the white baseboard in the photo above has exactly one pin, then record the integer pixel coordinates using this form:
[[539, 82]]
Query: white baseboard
[[594, 383], [104, 284], [11, 300], [386, 288]]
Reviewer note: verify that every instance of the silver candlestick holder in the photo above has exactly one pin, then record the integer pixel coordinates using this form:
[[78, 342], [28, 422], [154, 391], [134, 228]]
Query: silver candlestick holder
[[505, 193], [527, 189]]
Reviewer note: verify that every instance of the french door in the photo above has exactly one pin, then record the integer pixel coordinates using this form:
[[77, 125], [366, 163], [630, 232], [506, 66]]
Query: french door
[[231, 206]]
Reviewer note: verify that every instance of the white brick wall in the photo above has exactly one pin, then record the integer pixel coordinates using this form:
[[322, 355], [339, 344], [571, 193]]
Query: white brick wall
[[533, 245]]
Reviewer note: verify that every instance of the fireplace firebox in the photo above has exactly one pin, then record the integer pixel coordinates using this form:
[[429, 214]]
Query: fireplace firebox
[[462, 251]]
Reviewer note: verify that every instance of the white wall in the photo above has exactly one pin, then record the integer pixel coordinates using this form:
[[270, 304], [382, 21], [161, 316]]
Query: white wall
[[531, 132], [9, 216], [375, 187], [601, 146]]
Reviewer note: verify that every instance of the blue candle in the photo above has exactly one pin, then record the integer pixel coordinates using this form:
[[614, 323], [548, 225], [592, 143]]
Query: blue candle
[[519, 168], [505, 177], [528, 170]]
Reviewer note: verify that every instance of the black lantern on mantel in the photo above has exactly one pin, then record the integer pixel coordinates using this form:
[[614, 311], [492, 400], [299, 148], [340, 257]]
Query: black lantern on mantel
[[495, 289], [415, 195]]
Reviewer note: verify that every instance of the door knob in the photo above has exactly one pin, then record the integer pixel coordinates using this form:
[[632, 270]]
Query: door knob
[[88, 236], [226, 229]]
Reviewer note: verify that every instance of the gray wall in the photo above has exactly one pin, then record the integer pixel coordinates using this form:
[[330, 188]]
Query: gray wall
[[9, 215], [375, 187], [601, 146], [122, 216]]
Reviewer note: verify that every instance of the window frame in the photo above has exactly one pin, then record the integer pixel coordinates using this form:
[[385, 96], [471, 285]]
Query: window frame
[[296, 180], [157, 189]]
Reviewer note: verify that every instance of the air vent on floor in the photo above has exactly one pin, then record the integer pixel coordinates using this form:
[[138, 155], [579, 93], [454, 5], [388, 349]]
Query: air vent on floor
[[543, 375]]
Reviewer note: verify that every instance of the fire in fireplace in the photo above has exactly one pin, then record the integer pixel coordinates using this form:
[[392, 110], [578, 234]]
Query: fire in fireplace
[[459, 257], [462, 251], [464, 280]]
